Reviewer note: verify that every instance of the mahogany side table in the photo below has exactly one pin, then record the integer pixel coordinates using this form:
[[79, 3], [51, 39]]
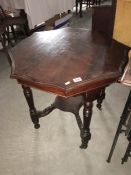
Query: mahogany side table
[[74, 64]]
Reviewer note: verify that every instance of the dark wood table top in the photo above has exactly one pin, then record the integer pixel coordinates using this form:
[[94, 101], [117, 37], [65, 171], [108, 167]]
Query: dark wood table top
[[65, 62]]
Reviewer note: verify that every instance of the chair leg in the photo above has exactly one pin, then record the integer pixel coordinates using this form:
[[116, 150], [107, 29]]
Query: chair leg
[[26, 29], [8, 35], [99, 2], [23, 30], [76, 7], [81, 8], [13, 32], [119, 129], [3, 40], [127, 153]]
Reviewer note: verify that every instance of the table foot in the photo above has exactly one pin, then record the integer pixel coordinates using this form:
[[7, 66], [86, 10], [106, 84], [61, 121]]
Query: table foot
[[37, 126], [86, 136]]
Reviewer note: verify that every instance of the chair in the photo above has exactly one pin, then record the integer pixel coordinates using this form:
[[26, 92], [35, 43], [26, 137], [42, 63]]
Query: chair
[[125, 120], [121, 35], [10, 23], [89, 3]]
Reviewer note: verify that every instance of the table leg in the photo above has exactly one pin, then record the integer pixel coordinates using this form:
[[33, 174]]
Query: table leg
[[79, 122], [87, 114], [33, 113]]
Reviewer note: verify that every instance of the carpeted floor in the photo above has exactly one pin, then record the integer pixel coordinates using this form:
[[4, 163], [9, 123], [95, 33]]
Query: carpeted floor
[[54, 148]]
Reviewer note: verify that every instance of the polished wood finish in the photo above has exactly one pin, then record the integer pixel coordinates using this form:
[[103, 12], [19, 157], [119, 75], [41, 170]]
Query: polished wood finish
[[55, 57], [75, 64]]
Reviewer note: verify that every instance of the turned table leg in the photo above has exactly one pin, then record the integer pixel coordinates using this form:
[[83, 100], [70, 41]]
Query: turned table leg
[[87, 114], [33, 113]]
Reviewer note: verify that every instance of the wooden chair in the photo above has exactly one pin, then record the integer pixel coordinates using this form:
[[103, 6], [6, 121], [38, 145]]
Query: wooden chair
[[89, 3], [10, 23]]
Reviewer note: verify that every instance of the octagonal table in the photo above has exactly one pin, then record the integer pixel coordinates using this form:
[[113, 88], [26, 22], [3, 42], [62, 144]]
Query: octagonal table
[[74, 64]]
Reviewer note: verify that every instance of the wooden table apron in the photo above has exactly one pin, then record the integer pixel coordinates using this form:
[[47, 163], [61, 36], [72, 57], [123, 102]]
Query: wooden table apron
[[71, 63]]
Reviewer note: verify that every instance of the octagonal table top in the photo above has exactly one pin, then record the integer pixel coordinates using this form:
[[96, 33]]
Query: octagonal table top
[[65, 62]]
